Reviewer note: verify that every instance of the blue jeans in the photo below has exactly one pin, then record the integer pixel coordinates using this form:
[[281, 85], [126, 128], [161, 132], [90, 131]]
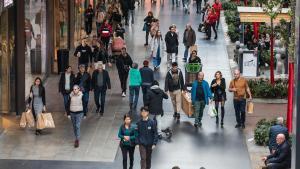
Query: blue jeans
[[134, 95], [131, 14], [66, 100], [186, 52], [100, 94], [76, 121], [240, 113], [173, 3], [86, 96]]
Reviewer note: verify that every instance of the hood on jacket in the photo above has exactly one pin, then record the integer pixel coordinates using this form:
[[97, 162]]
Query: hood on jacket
[[155, 89]]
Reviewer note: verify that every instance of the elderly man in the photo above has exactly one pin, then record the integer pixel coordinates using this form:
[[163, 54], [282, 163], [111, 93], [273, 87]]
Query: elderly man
[[278, 128], [201, 95], [281, 159], [100, 83], [189, 39], [239, 86]]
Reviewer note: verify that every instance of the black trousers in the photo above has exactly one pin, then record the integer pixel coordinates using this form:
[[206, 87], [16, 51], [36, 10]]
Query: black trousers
[[144, 90], [123, 76], [125, 151], [88, 27], [211, 26], [145, 153], [147, 36], [100, 93], [199, 3]]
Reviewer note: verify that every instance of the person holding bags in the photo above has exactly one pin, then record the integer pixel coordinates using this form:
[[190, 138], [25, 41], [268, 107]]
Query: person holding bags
[[218, 87], [127, 135], [37, 100]]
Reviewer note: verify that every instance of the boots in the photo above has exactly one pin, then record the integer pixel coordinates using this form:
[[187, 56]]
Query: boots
[[222, 116]]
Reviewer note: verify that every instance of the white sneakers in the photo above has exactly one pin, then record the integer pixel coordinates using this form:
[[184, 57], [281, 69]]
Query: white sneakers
[[123, 94]]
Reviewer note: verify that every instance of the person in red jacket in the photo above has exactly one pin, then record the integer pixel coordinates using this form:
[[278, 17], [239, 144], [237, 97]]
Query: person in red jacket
[[218, 7], [211, 23], [105, 33]]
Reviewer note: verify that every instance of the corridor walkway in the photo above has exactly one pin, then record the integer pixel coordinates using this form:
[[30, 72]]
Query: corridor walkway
[[210, 147]]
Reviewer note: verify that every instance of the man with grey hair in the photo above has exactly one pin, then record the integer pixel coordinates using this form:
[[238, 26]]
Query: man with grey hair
[[189, 39], [281, 158], [100, 83], [278, 128]]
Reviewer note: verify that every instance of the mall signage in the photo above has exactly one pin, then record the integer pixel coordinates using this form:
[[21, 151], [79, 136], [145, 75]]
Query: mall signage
[[250, 65]]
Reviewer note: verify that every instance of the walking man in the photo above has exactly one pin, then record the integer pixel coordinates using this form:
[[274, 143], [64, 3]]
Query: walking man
[[100, 83], [123, 63], [146, 138], [239, 86], [201, 95], [174, 84], [147, 78], [83, 53], [66, 83], [154, 102], [83, 80], [171, 39], [189, 39]]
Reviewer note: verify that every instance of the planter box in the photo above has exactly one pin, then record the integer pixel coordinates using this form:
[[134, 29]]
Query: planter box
[[269, 101]]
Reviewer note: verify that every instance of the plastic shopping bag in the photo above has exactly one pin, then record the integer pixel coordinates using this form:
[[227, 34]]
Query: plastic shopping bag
[[212, 112]]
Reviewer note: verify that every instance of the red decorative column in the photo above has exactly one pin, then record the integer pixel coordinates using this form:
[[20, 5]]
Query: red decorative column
[[289, 115], [256, 29]]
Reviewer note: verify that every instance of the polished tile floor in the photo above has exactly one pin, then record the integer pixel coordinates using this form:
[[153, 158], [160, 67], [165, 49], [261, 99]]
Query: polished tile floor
[[210, 147]]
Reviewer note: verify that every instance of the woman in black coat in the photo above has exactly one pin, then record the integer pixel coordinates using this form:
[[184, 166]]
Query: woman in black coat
[[147, 25], [65, 86], [218, 87]]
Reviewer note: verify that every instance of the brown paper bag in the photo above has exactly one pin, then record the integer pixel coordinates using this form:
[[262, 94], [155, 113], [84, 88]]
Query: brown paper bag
[[40, 122], [23, 120], [29, 118], [48, 120], [194, 47], [250, 107], [187, 106]]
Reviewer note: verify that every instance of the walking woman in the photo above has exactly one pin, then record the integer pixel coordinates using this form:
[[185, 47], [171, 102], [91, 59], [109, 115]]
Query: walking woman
[[157, 49], [218, 86], [38, 100], [127, 136], [76, 112], [147, 25]]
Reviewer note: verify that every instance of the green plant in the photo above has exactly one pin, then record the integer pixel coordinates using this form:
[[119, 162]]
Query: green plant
[[261, 132], [233, 33], [231, 17], [227, 5]]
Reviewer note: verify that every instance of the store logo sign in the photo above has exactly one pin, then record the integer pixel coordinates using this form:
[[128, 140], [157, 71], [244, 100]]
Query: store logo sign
[[7, 3]]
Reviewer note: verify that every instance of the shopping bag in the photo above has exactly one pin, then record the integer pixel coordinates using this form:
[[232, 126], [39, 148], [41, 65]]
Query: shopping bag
[[23, 120], [29, 118], [250, 107], [40, 122], [48, 120], [194, 47], [212, 112]]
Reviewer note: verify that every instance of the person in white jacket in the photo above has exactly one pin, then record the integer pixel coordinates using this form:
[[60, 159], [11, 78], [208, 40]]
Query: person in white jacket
[[157, 49], [75, 112]]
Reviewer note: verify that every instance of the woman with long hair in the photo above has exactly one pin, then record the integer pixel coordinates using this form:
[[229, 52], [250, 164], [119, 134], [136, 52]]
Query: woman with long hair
[[37, 100], [157, 49], [127, 136], [218, 87]]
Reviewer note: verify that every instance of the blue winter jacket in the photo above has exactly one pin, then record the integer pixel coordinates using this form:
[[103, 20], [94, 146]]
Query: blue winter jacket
[[206, 89]]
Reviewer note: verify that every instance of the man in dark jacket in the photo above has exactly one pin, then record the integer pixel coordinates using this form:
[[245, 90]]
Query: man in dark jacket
[[172, 43], [83, 80], [146, 138], [125, 8], [101, 56], [88, 18], [123, 63], [189, 39], [100, 83], [83, 52], [65, 86], [131, 10], [174, 84], [154, 101], [147, 78], [281, 159], [274, 131]]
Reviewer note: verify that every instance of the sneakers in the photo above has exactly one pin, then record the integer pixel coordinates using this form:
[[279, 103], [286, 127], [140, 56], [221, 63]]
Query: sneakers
[[76, 144], [123, 94]]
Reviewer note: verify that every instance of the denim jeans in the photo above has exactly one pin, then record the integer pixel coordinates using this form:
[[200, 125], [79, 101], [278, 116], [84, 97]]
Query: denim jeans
[[100, 94], [176, 1], [76, 121], [131, 14], [144, 90], [134, 95], [66, 100], [86, 96], [186, 52], [199, 107], [240, 113]]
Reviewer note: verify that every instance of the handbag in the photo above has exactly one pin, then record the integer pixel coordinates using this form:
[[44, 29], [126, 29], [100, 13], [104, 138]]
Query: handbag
[[250, 107], [145, 27], [48, 120], [29, 118], [212, 112], [40, 122]]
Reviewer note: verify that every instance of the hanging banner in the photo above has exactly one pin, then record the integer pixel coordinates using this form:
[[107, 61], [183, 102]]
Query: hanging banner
[[249, 67]]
